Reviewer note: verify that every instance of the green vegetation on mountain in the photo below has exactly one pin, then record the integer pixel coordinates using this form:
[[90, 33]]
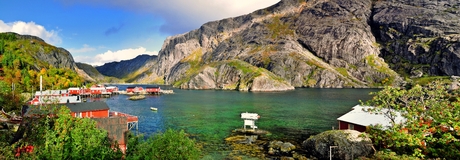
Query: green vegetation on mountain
[[22, 64]]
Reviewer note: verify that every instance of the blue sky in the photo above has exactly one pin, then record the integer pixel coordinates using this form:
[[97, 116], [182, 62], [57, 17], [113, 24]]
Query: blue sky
[[101, 31]]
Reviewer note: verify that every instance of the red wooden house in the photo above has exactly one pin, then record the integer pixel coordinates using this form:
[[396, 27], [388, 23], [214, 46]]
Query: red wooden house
[[89, 109], [138, 89], [74, 91], [111, 89], [130, 89], [152, 89], [96, 90], [86, 91], [134, 89]]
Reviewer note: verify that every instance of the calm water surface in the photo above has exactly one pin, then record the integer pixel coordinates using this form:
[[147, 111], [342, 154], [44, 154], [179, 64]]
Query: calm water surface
[[211, 115]]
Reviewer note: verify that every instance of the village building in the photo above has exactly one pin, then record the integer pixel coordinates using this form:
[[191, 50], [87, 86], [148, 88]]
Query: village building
[[75, 91], [360, 117], [89, 110], [111, 89], [153, 90], [116, 124], [134, 89], [54, 97]]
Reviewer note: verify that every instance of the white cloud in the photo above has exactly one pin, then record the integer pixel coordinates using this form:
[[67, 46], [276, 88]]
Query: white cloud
[[111, 56], [85, 48], [184, 15], [30, 28]]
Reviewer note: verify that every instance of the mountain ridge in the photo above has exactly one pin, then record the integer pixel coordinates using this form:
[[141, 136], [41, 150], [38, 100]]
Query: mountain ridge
[[314, 43]]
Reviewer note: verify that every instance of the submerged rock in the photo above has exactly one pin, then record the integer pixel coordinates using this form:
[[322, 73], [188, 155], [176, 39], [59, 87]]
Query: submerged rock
[[347, 144]]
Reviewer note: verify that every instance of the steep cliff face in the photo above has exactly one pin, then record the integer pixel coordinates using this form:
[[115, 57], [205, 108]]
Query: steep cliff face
[[315, 43], [420, 37]]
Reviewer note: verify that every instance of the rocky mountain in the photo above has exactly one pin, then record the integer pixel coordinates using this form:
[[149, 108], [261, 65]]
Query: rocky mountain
[[40, 50], [419, 37], [125, 68], [314, 43], [89, 72], [25, 60]]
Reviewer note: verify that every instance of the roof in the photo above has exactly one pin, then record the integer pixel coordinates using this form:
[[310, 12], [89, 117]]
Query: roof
[[50, 92], [87, 106], [359, 115], [60, 99]]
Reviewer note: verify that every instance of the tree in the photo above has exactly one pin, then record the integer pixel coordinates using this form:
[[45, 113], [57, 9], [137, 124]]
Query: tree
[[432, 126], [75, 138], [10, 101], [2, 46], [169, 145]]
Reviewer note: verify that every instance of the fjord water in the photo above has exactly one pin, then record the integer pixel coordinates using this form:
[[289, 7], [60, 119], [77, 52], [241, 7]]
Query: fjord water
[[211, 115]]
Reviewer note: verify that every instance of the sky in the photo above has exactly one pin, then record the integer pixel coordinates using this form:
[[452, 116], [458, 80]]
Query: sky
[[101, 31]]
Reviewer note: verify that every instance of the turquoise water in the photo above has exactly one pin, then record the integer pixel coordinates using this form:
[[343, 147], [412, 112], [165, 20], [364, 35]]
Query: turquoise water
[[211, 115]]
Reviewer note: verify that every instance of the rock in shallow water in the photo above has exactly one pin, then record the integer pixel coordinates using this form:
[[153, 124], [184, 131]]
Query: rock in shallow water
[[347, 144]]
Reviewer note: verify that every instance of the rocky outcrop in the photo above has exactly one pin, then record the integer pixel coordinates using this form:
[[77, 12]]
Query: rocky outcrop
[[315, 43], [347, 144], [231, 75], [42, 51], [420, 37]]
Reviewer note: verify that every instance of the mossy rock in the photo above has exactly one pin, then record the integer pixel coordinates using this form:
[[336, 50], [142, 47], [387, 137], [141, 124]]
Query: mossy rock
[[347, 144]]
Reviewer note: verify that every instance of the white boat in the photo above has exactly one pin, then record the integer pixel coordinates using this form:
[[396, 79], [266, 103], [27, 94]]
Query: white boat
[[153, 108]]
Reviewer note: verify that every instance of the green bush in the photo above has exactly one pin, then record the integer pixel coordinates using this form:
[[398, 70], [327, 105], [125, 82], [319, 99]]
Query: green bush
[[169, 145], [388, 155]]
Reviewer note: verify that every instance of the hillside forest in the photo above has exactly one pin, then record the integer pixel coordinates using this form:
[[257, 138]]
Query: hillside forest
[[21, 69]]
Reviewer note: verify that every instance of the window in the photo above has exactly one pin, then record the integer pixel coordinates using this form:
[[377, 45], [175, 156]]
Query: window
[[351, 126], [78, 114]]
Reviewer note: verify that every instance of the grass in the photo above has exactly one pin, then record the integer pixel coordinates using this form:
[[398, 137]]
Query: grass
[[380, 66], [245, 67], [342, 71], [426, 80]]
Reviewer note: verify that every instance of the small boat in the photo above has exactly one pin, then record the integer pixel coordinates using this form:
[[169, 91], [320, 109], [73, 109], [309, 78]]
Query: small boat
[[153, 108]]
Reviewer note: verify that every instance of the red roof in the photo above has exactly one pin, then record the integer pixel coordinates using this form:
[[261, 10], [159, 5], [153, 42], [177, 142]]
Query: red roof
[[131, 118]]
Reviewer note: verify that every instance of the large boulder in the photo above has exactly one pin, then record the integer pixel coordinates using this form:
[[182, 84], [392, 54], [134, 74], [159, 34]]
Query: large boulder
[[347, 144]]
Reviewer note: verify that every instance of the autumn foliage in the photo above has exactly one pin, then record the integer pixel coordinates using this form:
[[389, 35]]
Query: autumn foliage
[[432, 126]]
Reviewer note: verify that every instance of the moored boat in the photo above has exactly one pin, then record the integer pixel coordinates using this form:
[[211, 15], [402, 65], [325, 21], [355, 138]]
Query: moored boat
[[153, 108]]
